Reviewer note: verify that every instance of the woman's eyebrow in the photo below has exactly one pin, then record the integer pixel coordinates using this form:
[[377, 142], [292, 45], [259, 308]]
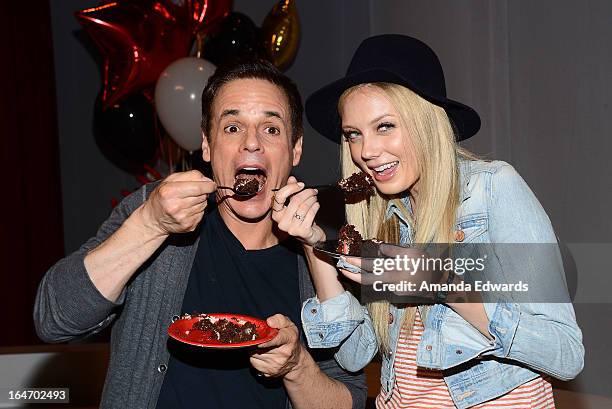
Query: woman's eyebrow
[[373, 121], [379, 118]]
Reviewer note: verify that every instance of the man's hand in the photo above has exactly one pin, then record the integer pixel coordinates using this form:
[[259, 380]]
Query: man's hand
[[281, 355], [307, 385], [178, 203], [297, 218], [175, 206]]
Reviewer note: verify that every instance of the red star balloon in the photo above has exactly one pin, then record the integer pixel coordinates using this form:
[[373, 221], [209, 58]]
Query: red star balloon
[[139, 39], [201, 15]]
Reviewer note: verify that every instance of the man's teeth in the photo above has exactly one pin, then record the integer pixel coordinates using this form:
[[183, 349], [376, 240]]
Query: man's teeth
[[386, 166]]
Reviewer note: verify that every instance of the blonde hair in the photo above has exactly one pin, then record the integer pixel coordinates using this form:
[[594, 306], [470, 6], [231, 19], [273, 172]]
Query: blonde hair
[[433, 142]]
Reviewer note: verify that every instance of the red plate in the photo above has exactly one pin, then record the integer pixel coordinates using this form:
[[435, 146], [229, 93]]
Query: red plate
[[182, 331]]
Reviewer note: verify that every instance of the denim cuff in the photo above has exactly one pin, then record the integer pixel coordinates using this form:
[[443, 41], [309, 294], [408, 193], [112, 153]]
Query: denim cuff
[[328, 323], [342, 307]]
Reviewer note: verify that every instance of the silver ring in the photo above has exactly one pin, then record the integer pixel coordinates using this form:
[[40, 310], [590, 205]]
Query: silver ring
[[297, 216]]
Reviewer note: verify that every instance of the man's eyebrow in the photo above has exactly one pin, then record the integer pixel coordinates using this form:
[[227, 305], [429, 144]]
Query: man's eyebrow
[[236, 112], [274, 114], [229, 112]]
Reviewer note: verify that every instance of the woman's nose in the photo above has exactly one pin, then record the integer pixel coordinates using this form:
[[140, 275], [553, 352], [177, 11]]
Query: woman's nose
[[370, 147]]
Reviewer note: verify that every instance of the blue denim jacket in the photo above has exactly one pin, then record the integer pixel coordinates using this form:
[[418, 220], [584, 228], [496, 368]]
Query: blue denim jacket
[[496, 206]]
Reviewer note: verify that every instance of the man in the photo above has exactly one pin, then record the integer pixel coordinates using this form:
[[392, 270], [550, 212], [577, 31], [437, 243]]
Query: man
[[183, 246]]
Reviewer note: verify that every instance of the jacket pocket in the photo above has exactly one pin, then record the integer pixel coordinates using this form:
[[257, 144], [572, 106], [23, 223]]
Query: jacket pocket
[[471, 227]]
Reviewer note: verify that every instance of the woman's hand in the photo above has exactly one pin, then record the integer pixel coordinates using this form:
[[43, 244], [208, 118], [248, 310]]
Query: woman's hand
[[297, 218], [394, 264]]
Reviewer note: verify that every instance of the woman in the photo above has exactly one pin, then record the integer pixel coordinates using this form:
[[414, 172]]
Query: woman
[[392, 118]]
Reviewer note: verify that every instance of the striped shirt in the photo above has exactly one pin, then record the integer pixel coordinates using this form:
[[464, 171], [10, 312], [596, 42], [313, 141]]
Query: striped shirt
[[422, 388]]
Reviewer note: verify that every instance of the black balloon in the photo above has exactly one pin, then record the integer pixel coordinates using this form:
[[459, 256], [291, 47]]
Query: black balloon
[[125, 131], [238, 38]]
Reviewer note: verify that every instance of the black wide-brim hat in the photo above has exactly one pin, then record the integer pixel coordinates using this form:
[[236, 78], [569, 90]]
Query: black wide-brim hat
[[396, 59]]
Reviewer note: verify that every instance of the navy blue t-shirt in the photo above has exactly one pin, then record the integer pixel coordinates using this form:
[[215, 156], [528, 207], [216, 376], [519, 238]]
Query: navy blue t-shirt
[[227, 278]]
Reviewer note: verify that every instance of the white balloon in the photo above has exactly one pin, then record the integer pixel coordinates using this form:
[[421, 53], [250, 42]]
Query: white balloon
[[178, 99]]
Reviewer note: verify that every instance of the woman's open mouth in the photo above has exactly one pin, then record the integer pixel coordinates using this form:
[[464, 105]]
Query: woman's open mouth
[[385, 172]]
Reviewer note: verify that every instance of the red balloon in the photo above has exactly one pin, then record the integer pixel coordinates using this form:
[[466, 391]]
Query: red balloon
[[215, 13], [201, 15], [138, 40]]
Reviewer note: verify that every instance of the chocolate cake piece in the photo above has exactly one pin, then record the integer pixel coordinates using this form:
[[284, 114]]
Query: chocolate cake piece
[[246, 186], [351, 243], [370, 248], [227, 331], [349, 240], [357, 183]]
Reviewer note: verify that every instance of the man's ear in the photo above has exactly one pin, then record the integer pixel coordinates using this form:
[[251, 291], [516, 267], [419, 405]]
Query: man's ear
[[205, 148], [297, 150]]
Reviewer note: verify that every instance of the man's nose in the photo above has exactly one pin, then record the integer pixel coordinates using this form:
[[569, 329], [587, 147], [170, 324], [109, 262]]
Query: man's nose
[[251, 142], [370, 147]]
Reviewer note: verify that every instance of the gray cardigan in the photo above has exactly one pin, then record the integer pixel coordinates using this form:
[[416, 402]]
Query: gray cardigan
[[69, 307]]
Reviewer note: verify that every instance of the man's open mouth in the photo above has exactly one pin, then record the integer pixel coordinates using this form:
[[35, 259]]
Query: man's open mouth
[[249, 179]]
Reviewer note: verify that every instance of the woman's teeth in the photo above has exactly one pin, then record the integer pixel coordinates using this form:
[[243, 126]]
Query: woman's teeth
[[386, 166]]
